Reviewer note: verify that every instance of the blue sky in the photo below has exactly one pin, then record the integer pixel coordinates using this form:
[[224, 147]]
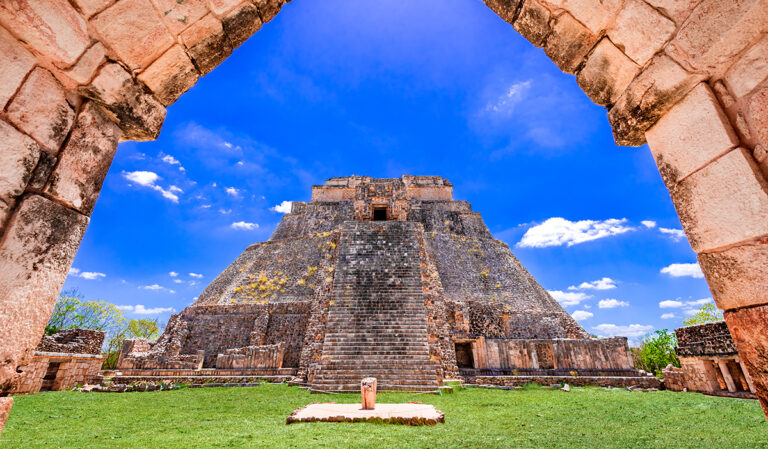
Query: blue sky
[[383, 88]]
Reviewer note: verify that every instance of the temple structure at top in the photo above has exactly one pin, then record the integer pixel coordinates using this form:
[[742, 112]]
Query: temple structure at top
[[389, 278]]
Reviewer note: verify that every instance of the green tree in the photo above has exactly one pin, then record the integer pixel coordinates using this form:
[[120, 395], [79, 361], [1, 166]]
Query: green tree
[[72, 311], [656, 351], [707, 313], [148, 329]]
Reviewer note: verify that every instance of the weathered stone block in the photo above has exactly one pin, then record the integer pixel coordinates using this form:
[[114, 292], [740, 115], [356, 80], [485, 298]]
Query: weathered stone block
[[85, 160], [42, 172], [677, 10], [716, 31], [506, 9], [206, 43], [41, 110], [693, 133], [757, 115], [724, 203], [221, 7], [40, 243], [749, 329], [738, 277], [134, 30], [650, 95], [533, 22], [139, 115], [568, 43], [5, 410], [595, 15], [606, 73], [52, 27], [91, 7], [641, 30], [18, 156], [749, 70], [170, 75], [268, 9], [17, 62], [83, 71], [241, 23], [179, 15]]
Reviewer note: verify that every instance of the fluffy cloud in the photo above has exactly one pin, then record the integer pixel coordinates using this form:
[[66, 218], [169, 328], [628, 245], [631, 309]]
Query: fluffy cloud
[[611, 303], [558, 231], [231, 191], [683, 269], [674, 234], [196, 275], [173, 274], [156, 287], [689, 305], [650, 224], [668, 316], [506, 102], [243, 226], [670, 304], [149, 179], [581, 315], [139, 309], [177, 281], [631, 331], [168, 159], [569, 298], [89, 275], [600, 284], [283, 208]]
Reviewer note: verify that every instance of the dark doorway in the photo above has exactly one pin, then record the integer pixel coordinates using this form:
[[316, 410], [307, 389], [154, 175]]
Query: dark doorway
[[464, 357], [379, 214], [50, 376]]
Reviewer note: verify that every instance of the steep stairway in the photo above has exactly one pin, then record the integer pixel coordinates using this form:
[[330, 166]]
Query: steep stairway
[[377, 322]]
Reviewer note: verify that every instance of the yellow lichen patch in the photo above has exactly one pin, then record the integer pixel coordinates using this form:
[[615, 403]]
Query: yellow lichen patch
[[261, 286], [484, 274]]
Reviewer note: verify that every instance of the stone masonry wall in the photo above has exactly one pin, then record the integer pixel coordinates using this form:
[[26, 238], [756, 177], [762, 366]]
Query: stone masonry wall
[[562, 354], [704, 340], [75, 341]]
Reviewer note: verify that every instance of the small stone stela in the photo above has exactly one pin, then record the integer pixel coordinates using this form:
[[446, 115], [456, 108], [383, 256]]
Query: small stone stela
[[368, 393]]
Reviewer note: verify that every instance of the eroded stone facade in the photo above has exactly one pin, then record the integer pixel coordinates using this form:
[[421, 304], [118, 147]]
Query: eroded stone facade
[[378, 277]]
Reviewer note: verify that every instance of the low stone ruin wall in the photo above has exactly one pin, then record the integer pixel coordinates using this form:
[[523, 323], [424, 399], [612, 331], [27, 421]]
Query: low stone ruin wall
[[138, 353], [63, 360], [264, 356], [611, 354], [579, 381]]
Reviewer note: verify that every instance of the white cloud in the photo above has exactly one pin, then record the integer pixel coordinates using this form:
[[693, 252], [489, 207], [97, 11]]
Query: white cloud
[[157, 287], [139, 309], [668, 316], [196, 275], [283, 208], [512, 95], [244, 226], [558, 231], [88, 275], [173, 274], [683, 269], [569, 298], [177, 281], [168, 159], [674, 234], [231, 191], [225, 211], [650, 224], [582, 315], [149, 179], [631, 331], [611, 303], [600, 284], [669, 304], [699, 302]]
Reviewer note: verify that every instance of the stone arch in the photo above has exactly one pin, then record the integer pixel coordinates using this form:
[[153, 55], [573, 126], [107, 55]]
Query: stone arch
[[77, 76]]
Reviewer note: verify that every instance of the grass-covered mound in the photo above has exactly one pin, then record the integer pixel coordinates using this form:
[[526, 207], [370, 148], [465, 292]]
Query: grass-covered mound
[[474, 418]]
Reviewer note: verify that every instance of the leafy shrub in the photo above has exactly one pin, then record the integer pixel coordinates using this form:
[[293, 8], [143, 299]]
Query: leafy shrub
[[657, 350]]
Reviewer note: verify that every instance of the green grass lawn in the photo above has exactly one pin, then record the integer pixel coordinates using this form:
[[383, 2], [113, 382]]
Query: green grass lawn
[[474, 418]]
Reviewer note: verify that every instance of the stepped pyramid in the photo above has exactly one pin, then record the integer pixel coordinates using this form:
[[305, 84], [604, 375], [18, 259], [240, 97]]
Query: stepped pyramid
[[388, 278]]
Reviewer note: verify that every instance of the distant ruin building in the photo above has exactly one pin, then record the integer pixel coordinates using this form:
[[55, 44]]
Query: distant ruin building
[[62, 361], [389, 278], [709, 363]]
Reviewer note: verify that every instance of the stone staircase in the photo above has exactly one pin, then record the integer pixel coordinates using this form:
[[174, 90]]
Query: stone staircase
[[377, 322]]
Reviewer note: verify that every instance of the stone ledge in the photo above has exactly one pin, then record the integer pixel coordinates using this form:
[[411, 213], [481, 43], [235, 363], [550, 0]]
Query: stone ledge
[[412, 413]]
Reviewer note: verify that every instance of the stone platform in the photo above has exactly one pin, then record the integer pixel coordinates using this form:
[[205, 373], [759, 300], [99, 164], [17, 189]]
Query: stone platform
[[412, 413]]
